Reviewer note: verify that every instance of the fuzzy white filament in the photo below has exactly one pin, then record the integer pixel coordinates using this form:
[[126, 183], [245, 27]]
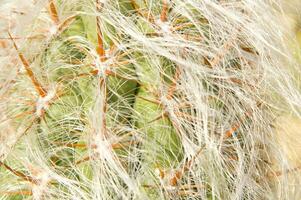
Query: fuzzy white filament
[[157, 100]]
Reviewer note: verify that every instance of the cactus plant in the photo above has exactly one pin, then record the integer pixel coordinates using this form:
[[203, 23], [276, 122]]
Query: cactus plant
[[132, 99]]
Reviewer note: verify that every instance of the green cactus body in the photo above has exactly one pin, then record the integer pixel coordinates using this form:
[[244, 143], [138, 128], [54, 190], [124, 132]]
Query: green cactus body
[[151, 119], [135, 99]]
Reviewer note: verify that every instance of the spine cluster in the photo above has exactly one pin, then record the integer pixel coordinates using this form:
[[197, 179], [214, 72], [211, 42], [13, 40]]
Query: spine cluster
[[133, 99]]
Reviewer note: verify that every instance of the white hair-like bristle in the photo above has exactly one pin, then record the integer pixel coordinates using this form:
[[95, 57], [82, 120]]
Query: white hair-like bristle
[[133, 99]]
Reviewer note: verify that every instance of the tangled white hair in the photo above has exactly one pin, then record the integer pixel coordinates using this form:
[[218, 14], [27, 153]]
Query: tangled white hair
[[158, 99]]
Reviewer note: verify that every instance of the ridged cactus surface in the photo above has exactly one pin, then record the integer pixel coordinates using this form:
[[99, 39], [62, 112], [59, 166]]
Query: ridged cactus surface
[[146, 99]]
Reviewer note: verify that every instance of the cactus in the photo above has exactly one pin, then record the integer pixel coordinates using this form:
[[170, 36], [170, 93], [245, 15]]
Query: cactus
[[132, 99]]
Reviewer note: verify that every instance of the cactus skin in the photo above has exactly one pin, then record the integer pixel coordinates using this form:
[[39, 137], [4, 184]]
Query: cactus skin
[[134, 99]]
